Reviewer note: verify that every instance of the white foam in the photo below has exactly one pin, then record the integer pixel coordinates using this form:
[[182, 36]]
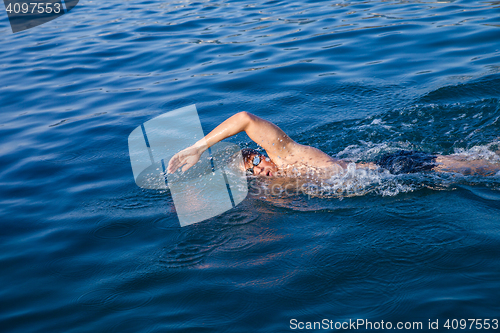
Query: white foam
[[481, 152], [357, 182]]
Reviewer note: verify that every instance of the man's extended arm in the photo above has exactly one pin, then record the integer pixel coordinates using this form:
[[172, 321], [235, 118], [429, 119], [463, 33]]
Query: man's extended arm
[[264, 133]]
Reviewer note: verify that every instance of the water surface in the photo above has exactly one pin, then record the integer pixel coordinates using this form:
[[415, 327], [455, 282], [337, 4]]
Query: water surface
[[83, 249]]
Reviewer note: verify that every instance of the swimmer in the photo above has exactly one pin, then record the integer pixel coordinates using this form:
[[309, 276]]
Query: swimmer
[[285, 155]]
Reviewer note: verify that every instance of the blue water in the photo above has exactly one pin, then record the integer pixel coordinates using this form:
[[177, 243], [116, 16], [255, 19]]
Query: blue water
[[83, 249]]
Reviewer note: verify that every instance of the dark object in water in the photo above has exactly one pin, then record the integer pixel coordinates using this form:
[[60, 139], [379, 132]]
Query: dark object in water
[[406, 161]]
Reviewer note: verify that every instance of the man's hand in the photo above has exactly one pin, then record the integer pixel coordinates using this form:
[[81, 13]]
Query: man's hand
[[186, 158]]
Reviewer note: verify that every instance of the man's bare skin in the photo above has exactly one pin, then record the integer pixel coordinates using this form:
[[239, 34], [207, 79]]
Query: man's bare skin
[[286, 154], [457, 164]]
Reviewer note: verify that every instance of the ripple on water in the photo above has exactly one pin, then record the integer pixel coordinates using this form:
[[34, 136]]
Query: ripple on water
[[191, 250], [164, 223], [301, 289], [95, 298], [417, 246], [482, 275], [238, 244], [115, 300], [223, 306], [76, 266], [370, 298], [412, 209], [353, 277], [238, 217], [128, 300], [464, 259], [483, 193], [142, 325], [114, 230]]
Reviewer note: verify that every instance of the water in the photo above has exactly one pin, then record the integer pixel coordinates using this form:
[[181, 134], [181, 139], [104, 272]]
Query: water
[[83, 249]]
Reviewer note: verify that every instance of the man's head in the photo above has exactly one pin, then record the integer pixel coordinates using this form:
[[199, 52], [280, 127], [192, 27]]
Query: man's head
[[258, 164]]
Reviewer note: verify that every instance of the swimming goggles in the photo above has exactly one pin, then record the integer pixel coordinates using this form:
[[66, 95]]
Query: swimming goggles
[[255, 161]]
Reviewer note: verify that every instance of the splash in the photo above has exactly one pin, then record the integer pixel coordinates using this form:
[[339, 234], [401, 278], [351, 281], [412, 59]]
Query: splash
[[352, 181], [357, 181], [488, 152]]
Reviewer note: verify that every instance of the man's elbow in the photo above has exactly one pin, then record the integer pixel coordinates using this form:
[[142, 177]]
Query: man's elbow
[[245, 115], [245, 118]]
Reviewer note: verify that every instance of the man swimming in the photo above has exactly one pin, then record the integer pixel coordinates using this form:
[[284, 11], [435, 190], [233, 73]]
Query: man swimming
[[287, 157]]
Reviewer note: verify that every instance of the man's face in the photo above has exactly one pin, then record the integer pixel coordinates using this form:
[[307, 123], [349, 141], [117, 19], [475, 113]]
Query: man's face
[[261, 165]]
